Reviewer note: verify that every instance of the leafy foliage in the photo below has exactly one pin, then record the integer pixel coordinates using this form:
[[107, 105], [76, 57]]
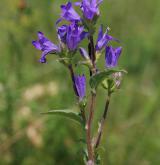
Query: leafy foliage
[[98, 78], [66, 113]]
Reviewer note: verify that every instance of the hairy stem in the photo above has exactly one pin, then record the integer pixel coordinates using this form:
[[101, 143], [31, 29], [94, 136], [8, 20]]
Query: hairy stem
[[102, 122], [90, 149], [88, 129]]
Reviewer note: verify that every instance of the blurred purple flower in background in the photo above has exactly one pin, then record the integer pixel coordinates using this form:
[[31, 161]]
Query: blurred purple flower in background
[[80, 83], [112, 56], [46, 46]]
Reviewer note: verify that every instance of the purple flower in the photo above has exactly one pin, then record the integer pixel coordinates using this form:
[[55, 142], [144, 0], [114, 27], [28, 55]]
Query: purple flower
[[75, 34], [46, 46], [90, 8], [103, 39], [80, 84], [71, 35], [62, 33], [68, 13], [112, 56]]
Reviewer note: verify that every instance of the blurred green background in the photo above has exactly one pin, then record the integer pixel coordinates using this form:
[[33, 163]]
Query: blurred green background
[[132, 132]]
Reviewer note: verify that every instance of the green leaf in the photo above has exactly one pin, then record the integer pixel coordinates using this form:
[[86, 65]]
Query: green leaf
[[66, 113], [101, 76]]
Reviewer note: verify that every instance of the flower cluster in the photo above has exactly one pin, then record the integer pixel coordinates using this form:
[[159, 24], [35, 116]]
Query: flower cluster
[[81, 26], [70, 35]]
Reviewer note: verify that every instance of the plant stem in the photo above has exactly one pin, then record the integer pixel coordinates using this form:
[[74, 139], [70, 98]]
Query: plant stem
[[90, 149], [70, 67], [102, 122], [88, 128], [92, 54]]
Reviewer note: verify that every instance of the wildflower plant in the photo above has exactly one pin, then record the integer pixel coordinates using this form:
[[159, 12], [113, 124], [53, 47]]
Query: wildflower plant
[[81, 27]]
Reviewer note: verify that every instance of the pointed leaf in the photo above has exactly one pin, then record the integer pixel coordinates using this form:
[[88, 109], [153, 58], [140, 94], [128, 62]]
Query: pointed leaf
[[66, 113], [95, 80]]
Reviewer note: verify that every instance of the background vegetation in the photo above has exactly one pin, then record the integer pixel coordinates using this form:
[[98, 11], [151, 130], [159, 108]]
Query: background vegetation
[[132, 132]]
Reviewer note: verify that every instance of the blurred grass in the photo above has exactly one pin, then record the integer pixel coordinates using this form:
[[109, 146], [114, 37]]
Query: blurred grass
[[27, 88]]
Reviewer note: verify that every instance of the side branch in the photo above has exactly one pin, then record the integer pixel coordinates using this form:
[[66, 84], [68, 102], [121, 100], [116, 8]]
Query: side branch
[[102, 122]]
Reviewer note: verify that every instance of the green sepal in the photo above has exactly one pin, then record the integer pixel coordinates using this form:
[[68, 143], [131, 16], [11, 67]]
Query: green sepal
[[83, 103], [66, 57], [90, 25], [111, 85], [98, 55], [98, 78], [66, 61], [87, 63], [105, 84], [66, 113]]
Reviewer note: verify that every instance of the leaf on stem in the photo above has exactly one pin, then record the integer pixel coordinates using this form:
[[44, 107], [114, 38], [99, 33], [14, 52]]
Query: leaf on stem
[[97, 79], [66, 113]]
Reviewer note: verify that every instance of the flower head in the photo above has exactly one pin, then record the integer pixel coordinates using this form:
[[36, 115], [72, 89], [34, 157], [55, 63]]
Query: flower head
[[71, 35], [68, 13], [80, 84], [90, 8], [103, 39], [112, 56], [46, 46]]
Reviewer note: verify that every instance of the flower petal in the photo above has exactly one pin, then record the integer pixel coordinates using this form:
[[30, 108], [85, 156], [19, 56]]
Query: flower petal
[[84, 53], [37, 45]]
